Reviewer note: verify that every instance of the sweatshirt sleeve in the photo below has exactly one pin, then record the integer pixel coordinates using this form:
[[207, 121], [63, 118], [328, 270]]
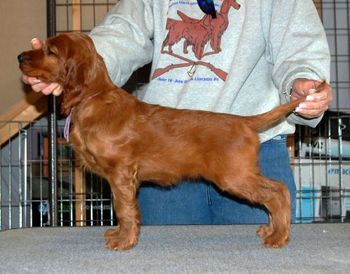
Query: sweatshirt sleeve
[[297, 48], [124, 38]]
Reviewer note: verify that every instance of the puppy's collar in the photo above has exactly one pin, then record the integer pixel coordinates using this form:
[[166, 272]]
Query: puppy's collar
[[67, 123], [66, 129]]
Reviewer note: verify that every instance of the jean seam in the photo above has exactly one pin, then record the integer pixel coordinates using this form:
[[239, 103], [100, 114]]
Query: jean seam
[[209, 200]]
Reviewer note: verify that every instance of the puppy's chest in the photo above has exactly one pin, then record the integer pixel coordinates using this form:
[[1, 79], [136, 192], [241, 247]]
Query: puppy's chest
[[81, 146]]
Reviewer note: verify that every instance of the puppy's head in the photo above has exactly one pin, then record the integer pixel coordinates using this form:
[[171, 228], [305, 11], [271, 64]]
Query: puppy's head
[[67, 59], [71, 60]]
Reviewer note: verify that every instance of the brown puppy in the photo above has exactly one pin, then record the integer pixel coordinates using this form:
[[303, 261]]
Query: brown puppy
[[127, 141]]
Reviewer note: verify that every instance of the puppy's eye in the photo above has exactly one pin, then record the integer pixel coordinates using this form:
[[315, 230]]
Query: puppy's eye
[[51, 51]]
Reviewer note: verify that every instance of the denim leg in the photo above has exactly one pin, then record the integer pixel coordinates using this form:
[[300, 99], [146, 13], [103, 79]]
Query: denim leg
[[185, 203], [274, 163], [228, 210]]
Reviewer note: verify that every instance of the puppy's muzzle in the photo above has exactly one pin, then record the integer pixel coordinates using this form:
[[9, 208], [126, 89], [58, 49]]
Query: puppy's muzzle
[[21, 58]]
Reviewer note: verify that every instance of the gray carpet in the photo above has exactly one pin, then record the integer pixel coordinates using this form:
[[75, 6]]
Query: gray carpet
[[316, 248]]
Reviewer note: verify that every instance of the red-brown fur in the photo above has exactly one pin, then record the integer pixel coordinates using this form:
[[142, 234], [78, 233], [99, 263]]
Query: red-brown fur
[[128, 141]]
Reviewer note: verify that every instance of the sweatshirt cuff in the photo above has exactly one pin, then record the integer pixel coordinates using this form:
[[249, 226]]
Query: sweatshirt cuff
[[299, 120], [287, 83]]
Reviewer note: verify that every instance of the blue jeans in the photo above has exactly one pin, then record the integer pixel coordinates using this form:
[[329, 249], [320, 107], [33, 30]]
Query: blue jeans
[[200, 202]]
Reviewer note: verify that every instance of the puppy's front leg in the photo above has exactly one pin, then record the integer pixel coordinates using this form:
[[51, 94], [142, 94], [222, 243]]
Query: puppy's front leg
[[124, 187]]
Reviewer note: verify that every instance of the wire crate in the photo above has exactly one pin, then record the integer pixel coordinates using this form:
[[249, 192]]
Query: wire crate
[[25, 191]]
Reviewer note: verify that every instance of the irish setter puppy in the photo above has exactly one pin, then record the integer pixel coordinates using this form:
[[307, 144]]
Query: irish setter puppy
[[128, 141]]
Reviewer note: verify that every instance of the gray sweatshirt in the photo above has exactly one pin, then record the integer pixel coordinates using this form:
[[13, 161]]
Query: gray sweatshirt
[[242, 62]]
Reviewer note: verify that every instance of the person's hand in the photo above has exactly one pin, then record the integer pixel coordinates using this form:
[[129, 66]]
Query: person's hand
[[36, 84], [317, 101]]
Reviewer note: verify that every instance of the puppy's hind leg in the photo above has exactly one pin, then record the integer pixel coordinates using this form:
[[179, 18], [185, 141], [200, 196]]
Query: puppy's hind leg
[[277, 201], [125, 236], [271, 194]]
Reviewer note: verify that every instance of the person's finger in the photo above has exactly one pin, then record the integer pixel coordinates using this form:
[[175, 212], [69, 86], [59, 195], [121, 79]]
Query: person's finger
[[31, 80], [39, 87], [36, 43], [317, 96], [48, 89], [312, 109], [311, 113], [304, 87], [25, 79], [53, 88], [58, 90]]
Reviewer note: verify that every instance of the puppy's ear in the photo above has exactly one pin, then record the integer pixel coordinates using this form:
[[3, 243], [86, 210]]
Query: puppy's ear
[[81, 59], [80, 73], [74, 85], [74, 72]]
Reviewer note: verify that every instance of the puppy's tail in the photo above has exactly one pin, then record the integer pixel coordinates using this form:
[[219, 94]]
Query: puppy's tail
[[265, 120], [268, 119]]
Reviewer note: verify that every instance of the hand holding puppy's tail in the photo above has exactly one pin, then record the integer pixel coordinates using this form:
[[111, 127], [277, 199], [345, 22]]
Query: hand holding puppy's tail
[[272, 117]]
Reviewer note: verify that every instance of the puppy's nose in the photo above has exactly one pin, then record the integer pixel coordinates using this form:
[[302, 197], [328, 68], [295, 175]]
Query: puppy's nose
[[21, 58]]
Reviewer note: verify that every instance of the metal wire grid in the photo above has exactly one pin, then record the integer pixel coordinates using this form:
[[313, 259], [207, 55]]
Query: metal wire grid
[[322, 171], [336, 20], [322, 163], [92, 12], [12, 158], [24, 188]]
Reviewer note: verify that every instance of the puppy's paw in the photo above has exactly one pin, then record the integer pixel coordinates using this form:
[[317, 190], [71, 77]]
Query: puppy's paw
[[118, 239], [121, 244], [111, 233], [264, 231], [276, 240]]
